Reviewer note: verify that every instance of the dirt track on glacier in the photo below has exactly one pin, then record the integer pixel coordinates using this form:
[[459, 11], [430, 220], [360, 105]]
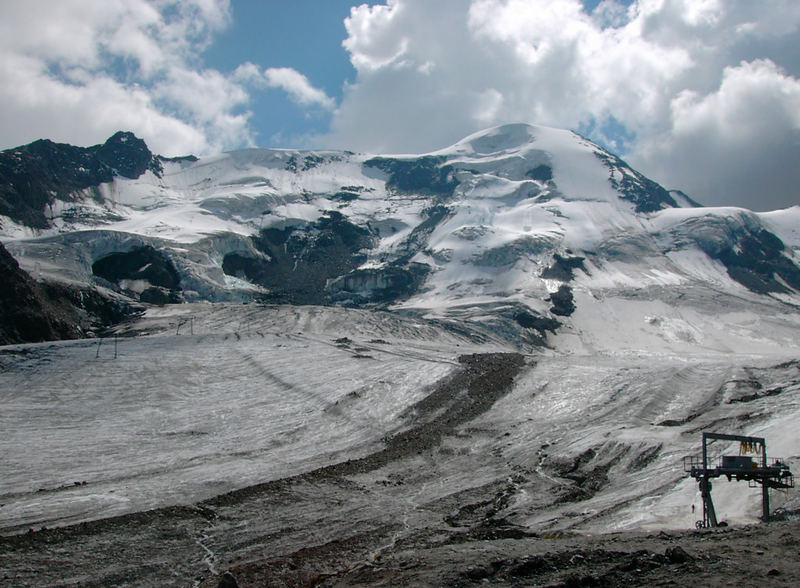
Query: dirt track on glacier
[[367, 521]]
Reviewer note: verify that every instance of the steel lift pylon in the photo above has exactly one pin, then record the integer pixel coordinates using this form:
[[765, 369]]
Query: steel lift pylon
[[756, 471]]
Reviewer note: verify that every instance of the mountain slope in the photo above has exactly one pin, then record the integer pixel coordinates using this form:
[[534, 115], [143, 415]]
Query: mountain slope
[[516, 228], [36, 176], [25, 312], [449, 354], [31, 311]]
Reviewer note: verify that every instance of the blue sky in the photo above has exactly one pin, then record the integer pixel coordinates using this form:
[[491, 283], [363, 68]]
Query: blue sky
[[700, 95], [305, 35]]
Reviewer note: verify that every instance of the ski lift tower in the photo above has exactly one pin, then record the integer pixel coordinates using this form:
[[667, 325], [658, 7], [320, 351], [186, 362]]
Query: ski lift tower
[[750, 465]]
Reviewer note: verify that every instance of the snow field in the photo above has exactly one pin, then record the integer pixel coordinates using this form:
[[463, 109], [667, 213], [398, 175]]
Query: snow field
[[219, 397], [622, 408], [210, 398], [175, 418]]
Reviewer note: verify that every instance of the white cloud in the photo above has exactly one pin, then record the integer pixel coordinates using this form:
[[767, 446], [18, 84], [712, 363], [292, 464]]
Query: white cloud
[[298, 87], [78, 71], [36, 105], [543, 61], [701, 93], [669, 71], [739, 145]]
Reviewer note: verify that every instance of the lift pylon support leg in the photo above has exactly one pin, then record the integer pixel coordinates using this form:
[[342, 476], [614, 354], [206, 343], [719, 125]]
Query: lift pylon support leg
[[709, 514]]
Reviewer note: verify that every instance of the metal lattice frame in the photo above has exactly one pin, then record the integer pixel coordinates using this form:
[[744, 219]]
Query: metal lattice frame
[[775, 475]]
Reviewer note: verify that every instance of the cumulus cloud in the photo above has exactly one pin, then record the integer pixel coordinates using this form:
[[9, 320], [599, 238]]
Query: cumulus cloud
[[297, 86], [739, 145], [686, 88], [701, 95], [78, 71]]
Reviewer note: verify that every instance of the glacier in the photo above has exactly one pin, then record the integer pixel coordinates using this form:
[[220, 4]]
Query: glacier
[[326, 297]]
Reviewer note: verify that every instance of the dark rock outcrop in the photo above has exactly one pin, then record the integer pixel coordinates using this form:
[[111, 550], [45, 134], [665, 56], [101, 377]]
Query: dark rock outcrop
[[644, 193], [537, 324], [422, 175], [758, 261], [563, 268], [542, 173], [563, 301], [299, 262], [142, 263], [31, 311], [26, 312], [34, 176]]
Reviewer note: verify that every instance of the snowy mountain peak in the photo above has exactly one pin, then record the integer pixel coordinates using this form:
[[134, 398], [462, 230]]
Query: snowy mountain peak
[[522, 226], [497, 139], [576, 168]]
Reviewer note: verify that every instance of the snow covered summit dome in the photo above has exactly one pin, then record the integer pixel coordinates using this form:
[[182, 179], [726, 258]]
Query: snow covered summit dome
[[497, 139]]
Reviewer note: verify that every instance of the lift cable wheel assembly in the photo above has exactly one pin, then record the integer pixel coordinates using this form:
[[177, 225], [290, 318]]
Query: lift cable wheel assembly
[[756, 471]]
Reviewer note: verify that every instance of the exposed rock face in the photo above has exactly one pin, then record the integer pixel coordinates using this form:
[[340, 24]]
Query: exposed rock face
[[757, 261], [563, 268], [297, 263], [26, 313], [423, 175], [563, 301], [540, 324], [31, 312], [752, 255], [126, 155], [644, 193], [143, 272], [34, 176], [542, 172]]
